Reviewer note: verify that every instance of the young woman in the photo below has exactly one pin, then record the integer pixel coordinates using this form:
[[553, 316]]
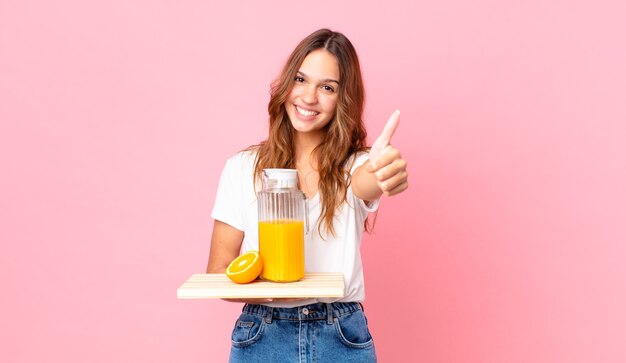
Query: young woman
[[315, 126]]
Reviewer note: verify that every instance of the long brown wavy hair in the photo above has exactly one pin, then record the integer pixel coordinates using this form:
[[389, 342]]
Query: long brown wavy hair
[[344, 135]]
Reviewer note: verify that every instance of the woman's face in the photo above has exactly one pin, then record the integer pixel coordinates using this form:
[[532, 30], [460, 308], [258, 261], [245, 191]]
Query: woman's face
[[312, 101]]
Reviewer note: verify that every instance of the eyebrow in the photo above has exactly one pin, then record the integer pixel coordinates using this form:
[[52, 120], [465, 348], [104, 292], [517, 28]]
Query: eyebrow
[[323, 80]]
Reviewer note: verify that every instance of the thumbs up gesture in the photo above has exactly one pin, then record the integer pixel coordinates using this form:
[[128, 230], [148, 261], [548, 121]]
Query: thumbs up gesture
[[386, 163]]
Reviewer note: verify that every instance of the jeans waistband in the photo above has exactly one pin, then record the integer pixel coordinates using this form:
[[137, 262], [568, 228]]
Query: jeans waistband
[[319, 311]]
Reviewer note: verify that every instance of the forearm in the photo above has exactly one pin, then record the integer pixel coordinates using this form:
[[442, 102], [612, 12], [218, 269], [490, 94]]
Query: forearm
[[218, 262], [364, 184], [225, 246], [384, 175]]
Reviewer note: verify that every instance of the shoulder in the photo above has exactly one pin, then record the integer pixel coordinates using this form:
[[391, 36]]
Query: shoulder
[[357, 159], [242, 160]]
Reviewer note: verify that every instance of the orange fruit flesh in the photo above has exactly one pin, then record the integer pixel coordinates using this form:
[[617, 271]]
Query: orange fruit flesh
[[245, 268]]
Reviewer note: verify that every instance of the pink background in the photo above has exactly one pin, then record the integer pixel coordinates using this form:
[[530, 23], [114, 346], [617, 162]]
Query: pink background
[[117, 116]]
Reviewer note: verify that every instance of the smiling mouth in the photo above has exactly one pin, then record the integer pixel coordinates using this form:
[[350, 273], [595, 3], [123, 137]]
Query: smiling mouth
[[305, 113]]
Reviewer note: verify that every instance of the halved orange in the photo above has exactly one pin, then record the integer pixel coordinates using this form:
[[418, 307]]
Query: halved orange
[[245, 268]]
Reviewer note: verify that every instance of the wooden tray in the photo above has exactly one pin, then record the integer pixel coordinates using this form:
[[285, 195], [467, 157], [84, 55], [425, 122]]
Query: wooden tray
[[207, 286]]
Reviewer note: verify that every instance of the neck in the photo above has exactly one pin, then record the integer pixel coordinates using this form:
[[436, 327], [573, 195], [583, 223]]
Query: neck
[[304, 146]]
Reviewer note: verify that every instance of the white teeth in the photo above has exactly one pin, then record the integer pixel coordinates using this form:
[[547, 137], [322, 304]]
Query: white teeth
[[306, 113]]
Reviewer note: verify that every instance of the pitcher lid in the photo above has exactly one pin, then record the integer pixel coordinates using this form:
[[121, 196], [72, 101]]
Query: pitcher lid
[[280, 178]]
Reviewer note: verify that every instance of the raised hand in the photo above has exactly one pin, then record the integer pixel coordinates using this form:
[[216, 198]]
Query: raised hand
[[386, 163]]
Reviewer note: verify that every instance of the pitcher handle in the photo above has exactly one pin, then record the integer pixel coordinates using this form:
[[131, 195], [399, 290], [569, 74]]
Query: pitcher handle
[[306, 214]]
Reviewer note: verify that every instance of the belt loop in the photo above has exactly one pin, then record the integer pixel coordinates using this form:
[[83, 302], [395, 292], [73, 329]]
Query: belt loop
[[268, 314], [329, 313]]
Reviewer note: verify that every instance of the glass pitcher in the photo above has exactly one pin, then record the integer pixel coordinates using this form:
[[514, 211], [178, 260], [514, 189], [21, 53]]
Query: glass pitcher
[[282, 219]]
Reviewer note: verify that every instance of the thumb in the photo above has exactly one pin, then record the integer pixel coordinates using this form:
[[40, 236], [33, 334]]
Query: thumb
[[385, 137]]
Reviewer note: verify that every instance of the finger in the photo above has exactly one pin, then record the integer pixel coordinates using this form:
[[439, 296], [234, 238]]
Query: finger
[[386, 157], [393, 182], [290, 299], [397, 190], [249, 301], [390, 128], [385, 137], [394, 168]]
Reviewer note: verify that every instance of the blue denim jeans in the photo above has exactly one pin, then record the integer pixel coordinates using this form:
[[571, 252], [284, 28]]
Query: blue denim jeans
[[320, 332]]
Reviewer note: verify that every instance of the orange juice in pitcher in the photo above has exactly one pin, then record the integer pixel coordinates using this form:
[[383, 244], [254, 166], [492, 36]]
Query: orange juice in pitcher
[[281, 245], [282, 215]]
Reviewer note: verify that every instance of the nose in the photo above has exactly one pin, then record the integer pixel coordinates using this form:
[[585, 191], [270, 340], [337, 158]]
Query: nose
[[309, 94]]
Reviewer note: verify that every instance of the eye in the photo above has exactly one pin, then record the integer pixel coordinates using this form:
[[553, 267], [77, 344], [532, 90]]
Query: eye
[[328, 88], [299, 79]]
